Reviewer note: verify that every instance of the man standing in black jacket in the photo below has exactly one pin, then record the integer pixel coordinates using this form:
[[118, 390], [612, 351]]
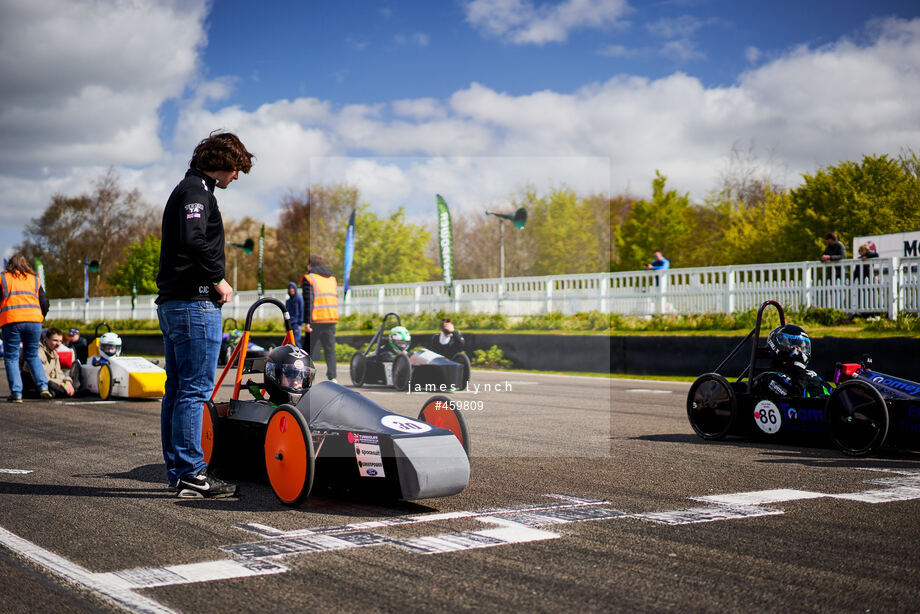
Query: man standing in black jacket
[[192, 289]]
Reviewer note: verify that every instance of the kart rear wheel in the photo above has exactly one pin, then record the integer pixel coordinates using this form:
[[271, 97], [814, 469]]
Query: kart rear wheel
[[209, 426], [104, 381], [712, 406], [464, 360], [857, 418], [358, 369], [289, 457], [402, 372], [439, 411]]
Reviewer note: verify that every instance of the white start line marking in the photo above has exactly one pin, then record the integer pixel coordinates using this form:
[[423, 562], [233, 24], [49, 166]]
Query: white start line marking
[[509, 525], [650, 390], [16, 471]]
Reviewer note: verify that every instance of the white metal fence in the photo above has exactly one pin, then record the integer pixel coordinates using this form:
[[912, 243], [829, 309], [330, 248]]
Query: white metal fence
[[877, 286]]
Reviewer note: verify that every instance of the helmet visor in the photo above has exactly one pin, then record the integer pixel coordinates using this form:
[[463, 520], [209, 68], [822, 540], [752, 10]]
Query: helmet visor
[[799, 346]]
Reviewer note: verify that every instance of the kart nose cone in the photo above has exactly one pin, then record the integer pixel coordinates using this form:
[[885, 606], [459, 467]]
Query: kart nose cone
[[432, 466]]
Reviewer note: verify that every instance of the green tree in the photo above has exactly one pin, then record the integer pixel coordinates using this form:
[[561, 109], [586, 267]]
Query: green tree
[[388, 250], [565, 231], [97, 225], [878, 195], [757, 232], [141, 265], [660, 224]]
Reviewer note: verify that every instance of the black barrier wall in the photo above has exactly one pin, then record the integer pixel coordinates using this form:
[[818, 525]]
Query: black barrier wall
[[638, 355]]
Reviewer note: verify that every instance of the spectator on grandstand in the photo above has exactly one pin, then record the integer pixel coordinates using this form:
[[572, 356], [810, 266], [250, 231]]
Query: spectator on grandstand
[[660, 263], [867, 251], [835, 249]]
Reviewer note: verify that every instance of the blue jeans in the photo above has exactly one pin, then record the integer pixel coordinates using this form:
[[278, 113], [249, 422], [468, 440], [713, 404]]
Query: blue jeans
[[29, 333], [191, 340], [297, 328]]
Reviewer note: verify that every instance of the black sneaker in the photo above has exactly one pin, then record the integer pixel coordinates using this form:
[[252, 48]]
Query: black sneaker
[[13, 398], [203, 486]]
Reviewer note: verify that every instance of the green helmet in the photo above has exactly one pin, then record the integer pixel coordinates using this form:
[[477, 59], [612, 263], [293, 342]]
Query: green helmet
[[400, 338]]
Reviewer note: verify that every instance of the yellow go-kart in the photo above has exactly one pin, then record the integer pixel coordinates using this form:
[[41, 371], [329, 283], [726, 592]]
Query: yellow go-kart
[[109, 374]]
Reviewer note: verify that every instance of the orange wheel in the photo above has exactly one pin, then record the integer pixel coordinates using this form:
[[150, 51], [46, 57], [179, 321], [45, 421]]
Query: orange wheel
[[208, 430], [289, 455], [439, 411]]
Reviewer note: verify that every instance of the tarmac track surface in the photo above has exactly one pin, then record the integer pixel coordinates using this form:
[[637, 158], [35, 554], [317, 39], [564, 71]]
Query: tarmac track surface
[[93, 528]]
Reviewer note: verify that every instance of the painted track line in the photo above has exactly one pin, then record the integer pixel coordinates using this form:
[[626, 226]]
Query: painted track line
[[74, 574]]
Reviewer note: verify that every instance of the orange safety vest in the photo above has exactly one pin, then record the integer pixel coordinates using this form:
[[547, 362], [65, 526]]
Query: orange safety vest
[[20, 299], [325, 299]]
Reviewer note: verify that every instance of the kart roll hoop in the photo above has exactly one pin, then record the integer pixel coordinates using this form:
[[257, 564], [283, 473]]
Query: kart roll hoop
[[239, 352], [755, 334]]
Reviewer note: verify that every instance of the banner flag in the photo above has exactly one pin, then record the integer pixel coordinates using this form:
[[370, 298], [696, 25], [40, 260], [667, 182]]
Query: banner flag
[[86, 280], [349, 248], [40, 269], [446, 244], [261, 248]]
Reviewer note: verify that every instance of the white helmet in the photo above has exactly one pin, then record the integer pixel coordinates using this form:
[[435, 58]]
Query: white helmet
[[110, 344]]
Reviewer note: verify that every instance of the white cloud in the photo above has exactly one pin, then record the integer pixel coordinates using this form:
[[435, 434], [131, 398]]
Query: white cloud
[[682, 50], [524, 22], [419, 38], [83, 80]]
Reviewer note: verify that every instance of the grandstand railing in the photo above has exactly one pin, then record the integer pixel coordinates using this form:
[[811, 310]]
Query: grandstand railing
[[884, 286]]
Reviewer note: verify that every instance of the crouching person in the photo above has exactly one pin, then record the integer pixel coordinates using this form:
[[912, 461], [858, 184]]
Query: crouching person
[[60, 383]]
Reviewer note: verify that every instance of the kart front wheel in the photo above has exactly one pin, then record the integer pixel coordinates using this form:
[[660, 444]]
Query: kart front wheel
[[464, 361], [358, 369], [440, 411], [402, 372], [857, 418], [104, 382], [711, 406], [289, 455]]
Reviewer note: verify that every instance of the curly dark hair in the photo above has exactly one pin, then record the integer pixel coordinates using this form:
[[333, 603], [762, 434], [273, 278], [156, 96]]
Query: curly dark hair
[[221, 151]]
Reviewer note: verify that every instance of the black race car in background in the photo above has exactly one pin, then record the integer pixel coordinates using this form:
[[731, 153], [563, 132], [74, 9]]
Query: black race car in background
[[865, 410], [420, 371]]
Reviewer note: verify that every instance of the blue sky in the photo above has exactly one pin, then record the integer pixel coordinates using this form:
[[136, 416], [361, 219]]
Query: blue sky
[[369, 52], [473, 99]]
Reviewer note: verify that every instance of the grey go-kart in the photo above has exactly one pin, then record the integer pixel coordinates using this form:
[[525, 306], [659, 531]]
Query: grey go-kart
[[332, 438]]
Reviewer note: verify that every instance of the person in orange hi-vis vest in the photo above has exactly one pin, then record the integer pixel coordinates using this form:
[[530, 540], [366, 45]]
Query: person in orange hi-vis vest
[[23, 305], [320, 312]]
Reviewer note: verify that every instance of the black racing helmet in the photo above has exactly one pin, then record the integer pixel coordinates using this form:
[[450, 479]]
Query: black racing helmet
[[790, 344], [288, 370]]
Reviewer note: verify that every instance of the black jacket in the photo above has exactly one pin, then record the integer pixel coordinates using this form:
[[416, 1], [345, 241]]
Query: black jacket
[[456, 344], [192, 249], [836, 251], [307, 289]]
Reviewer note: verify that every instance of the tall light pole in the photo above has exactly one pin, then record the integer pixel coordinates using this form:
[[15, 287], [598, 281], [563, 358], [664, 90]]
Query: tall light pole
[[519, 219]]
